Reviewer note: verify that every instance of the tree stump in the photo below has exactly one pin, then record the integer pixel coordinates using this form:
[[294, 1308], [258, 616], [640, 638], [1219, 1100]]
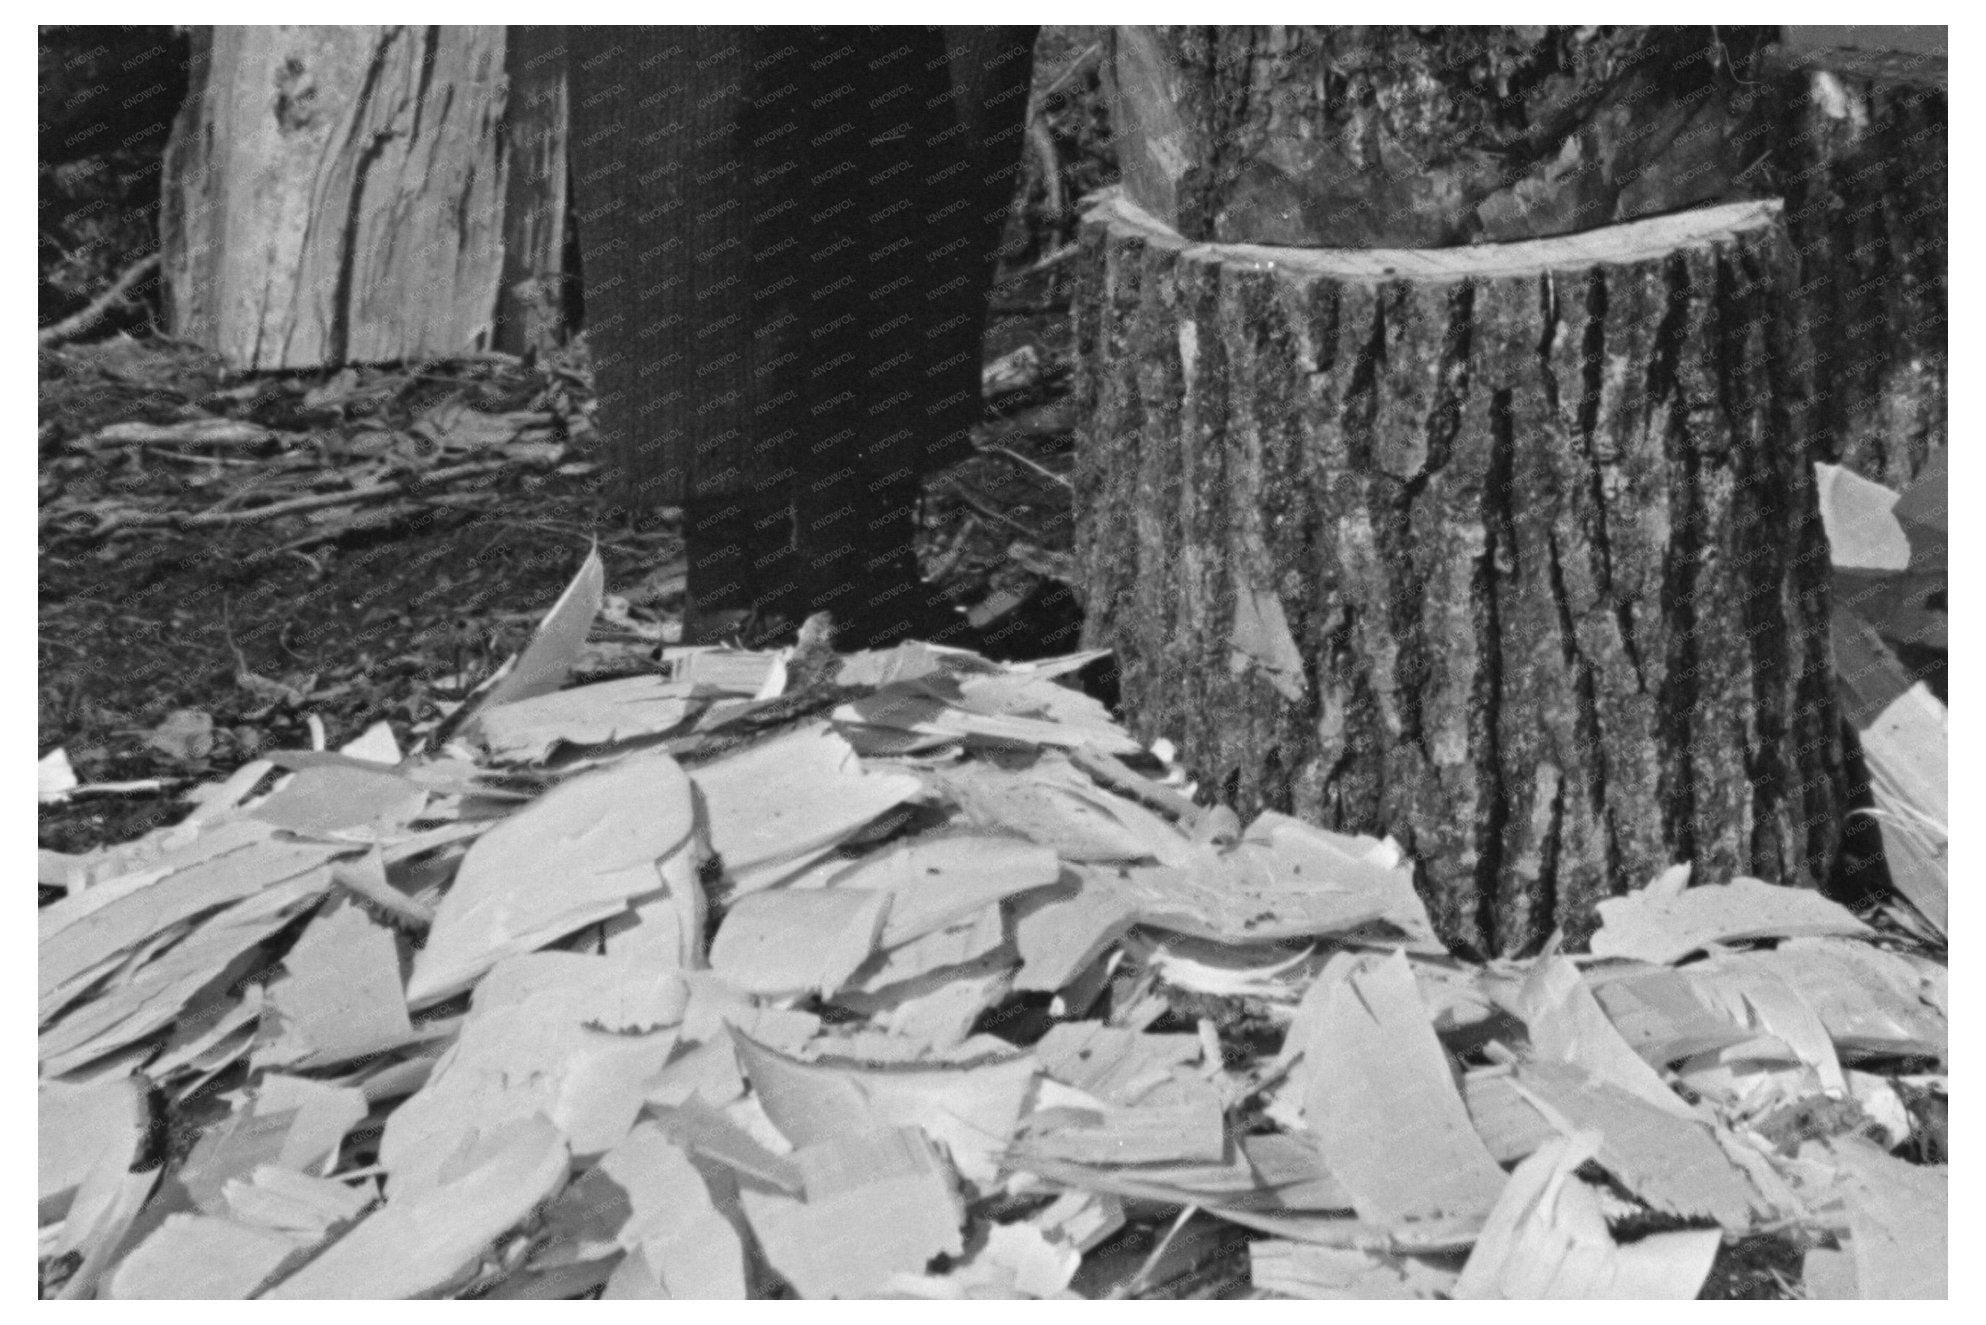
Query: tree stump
[[336, 194], [1420, 137], [1504, 550], [1862, 160]]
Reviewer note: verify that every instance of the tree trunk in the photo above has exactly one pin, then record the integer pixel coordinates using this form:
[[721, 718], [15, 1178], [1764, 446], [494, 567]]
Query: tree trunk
[[335, 194], [1505, 550], [788, 239], [1360, 137], [532, 297], [1862, 161]]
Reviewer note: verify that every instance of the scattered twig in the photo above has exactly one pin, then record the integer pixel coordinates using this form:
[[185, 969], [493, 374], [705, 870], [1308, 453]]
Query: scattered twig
[[141, 787], [1141, 1281], [1055, 259], [324, 501], [98, 308], [1056, 201], [192, 432], [1042, 141], [1084, 61], [1026, 463], [970, 498], [954, 552]]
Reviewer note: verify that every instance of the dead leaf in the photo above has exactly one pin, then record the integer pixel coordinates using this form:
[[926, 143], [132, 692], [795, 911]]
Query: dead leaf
[[186, 735]]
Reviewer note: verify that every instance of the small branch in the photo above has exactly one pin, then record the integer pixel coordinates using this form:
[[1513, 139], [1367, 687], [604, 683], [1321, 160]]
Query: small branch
[[970, 498], [1087, 57], [77, 323], [1034, 465], [1043, 143], [1053, 260], [324, 501]]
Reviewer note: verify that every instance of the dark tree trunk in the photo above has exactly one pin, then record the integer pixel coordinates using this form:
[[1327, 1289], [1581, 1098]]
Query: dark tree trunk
[[532, 294], [1508, 551], [1862, 160], [1360, 137], [787, 237]]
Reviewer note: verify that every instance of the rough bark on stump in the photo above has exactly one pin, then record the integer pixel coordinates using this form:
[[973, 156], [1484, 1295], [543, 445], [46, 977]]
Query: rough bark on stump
[[335, 194], [1372, 136], [1503, 550], [1862, 160]]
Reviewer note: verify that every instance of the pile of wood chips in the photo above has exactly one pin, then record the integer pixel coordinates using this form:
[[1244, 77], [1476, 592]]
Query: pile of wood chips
[[926, 981]]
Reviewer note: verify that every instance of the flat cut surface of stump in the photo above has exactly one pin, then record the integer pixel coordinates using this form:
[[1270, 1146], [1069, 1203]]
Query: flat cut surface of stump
[[1503, 550]]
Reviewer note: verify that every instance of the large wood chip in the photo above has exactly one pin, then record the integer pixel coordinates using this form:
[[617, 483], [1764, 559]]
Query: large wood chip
[[1383, 1106], [575, 856], [1548, 1238], [573, 1038], [422, 1241], [1670, 929], [878, 1203]]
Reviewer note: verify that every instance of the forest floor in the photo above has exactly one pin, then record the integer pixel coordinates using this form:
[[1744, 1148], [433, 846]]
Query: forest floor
[[167, 597]]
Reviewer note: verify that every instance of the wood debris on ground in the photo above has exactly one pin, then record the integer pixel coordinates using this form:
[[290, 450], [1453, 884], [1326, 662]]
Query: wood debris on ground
[[938, 986]]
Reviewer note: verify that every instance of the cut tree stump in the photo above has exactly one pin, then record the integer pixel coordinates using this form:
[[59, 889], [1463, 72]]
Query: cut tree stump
[[335, 194], [1504, 550], [1862, 147], [1419, 137]]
